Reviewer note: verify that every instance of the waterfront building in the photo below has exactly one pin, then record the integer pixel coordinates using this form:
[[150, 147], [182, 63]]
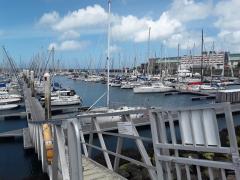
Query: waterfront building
[[211, 59], [208, 59], [234, 59]]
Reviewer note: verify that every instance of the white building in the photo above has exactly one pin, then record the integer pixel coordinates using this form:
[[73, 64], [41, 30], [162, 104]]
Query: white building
[[209, 59]]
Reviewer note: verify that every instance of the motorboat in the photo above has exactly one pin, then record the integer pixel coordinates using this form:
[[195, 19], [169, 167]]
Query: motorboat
[[65, 100], [9, 100], [154, 88], [126, 85], [93, 78], [8, 106]]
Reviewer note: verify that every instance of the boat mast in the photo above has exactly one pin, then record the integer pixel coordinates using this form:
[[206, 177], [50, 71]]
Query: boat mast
[[178, 61], [149, 35], [202, 58], [211, 56], [108, 49]]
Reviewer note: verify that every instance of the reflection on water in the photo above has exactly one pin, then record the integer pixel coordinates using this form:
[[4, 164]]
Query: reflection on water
[[15, 163], [90, 92]]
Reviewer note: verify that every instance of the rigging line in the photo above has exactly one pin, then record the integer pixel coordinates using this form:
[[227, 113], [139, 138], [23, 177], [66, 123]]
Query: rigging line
[[97, 101]]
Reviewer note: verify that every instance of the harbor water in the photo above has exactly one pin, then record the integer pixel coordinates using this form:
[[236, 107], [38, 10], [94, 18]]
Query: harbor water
[[18, 164]]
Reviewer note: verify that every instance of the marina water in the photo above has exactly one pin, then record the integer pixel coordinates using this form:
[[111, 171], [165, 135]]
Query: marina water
[[18, 164]]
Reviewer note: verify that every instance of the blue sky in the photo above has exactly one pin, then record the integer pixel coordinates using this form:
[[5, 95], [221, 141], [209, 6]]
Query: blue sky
[[77, 28]]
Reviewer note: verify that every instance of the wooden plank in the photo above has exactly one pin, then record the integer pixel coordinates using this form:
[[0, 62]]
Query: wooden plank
[[94, 170], [27, 142], [12, 134], [12, 115]]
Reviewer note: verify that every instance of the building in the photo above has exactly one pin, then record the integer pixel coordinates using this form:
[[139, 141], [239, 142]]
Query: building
[[234, 59], [209, 59], [156, 65]]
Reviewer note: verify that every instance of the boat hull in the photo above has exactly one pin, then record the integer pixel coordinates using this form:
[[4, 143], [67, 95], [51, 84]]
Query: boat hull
[[151, 90], [8, 107]]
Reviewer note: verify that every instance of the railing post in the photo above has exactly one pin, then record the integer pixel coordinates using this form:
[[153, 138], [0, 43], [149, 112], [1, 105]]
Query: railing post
[[154, 126], [142, 149], [43, 152], [103, 145], [47, 95], [232, 140], [74, 151], [55, 157], [82, 139], [38, 141], [90, 139], [118, 149], [59, 154], [32, 83]]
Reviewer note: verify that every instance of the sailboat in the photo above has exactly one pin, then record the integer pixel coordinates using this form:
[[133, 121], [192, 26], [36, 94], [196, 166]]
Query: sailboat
[[8, 106], [154, 88], [6, 98], [64, 98], [107, 109]]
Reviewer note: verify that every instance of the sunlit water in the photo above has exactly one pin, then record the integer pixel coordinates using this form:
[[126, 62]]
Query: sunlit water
[[15, 163]]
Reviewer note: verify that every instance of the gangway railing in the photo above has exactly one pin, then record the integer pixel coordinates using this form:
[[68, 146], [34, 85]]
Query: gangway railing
[[182, 138], [70, 143], [183, 157]]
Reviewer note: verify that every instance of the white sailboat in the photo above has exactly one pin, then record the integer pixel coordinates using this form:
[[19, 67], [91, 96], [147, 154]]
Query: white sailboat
[[64, 98], [126, 85], [107, 109], [7, 106], [154, 88], [7, 100]]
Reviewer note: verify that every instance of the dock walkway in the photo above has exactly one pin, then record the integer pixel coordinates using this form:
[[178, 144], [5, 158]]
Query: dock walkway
[[12, 134], [91, 169]]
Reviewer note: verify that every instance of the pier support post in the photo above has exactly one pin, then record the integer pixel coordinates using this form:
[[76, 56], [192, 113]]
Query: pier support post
[[27, 75], [47, 130], [32, 83], [47, 95]]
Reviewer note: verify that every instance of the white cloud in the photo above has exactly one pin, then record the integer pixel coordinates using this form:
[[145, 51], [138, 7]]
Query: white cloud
[[171, 26], [189, 10], [187, 40], [228, 15], [136, 29], [170, 22], [90, 16], [114, 49], [228, 23], [71, 34], [69, 45], [160, 29], [128, 27], [48, 19], [123, 27]]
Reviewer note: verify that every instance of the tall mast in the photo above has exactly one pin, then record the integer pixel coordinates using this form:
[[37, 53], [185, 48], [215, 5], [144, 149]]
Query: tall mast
[[149, 35], [202, 58], [179, 65], [211, 59], [108, 49]]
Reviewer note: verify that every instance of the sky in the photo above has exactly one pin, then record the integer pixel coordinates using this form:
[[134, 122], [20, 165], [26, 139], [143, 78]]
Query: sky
[[77, 29]]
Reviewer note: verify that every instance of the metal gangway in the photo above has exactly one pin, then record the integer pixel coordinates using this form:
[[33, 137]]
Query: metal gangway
[[180, 138]]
